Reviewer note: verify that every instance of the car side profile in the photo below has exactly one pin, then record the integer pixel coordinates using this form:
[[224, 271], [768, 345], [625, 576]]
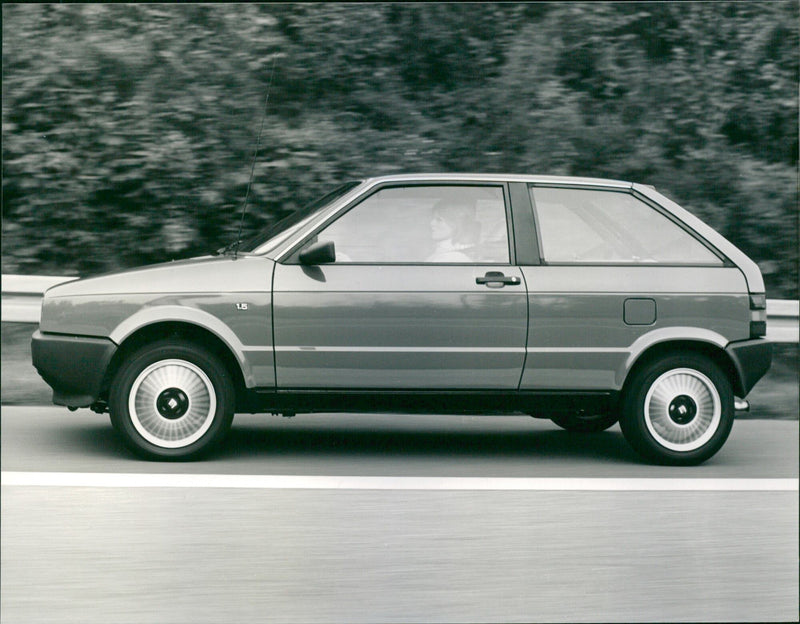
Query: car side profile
[[586, 301]]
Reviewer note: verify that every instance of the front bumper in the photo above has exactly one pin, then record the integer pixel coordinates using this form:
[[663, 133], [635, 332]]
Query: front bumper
[[73, 366], [751, 359]]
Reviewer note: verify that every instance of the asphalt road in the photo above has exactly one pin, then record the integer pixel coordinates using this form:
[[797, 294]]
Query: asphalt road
[[79, 551]]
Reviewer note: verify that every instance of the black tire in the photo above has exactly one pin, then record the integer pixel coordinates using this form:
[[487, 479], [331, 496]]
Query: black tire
[[172, 400], [585, 423], [678, 410]]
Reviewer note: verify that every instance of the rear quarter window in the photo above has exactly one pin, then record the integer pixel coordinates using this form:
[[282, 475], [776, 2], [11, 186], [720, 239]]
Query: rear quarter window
[[589, 226]]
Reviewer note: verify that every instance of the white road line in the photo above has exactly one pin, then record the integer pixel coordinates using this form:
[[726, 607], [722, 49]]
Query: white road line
[[297, 482]]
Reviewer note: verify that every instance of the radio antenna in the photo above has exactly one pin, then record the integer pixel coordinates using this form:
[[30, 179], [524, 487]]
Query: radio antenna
[[253, 166]]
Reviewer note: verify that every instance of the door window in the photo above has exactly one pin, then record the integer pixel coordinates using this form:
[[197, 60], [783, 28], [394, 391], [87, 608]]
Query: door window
[[607, 227], [422, 225]]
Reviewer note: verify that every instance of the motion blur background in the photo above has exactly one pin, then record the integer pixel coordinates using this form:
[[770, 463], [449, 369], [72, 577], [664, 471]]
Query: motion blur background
[[128, 130], [128, 133]]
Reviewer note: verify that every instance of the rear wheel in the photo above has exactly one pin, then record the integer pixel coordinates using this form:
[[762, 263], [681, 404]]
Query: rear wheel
[[678, 410], [172, 400]]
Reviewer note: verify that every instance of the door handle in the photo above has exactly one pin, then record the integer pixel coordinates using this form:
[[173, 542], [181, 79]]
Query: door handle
[[496, 279]]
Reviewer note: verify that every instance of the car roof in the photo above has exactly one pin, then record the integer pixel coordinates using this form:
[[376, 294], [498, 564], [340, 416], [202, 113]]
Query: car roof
[[498, 177]]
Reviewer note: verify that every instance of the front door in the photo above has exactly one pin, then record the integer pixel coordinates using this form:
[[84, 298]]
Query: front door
[[422, 295]]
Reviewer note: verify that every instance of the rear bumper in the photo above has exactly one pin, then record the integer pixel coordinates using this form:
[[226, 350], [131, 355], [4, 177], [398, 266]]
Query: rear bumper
[[751, 359], [73, 366]]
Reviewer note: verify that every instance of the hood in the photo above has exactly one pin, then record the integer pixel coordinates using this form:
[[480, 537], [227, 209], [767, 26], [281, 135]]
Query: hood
[[201, 274]]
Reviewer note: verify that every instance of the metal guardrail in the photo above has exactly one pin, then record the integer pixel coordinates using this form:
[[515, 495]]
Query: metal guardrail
[[22, 296], [782, 321]]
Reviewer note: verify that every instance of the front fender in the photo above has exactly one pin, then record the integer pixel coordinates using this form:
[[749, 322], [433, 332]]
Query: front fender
[[256, 361]]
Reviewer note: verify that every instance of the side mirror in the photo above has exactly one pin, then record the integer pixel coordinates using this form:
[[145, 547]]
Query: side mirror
[[323, 252]]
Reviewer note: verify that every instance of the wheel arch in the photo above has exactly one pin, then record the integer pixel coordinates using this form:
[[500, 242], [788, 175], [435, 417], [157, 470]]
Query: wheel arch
[[712, 351], [195, 334]]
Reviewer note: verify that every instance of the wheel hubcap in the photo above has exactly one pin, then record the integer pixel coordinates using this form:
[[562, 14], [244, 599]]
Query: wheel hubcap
[[172, 403], [682, 409]]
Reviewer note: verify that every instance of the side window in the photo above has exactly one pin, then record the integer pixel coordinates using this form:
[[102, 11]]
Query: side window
[[424, 224], [606, 227]]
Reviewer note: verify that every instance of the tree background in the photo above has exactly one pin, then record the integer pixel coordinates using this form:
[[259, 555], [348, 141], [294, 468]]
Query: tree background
[[128, 130]]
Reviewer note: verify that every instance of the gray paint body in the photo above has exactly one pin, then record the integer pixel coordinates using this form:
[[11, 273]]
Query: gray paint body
[[578, 335], [423, 327]]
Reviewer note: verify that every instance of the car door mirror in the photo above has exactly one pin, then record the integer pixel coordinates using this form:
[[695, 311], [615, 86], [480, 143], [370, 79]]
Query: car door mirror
[[322, 252]]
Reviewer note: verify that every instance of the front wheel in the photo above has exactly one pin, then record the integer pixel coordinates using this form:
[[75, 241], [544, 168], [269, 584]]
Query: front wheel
[[172, 400], [678, 410]]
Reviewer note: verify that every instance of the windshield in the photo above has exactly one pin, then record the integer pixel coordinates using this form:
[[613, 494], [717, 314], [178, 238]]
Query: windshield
[[279, 231]]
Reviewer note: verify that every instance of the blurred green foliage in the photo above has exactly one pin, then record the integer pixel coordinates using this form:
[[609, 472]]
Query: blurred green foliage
[[128, 130]]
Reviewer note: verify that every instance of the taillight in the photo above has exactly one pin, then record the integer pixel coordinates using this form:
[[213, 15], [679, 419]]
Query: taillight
[[758, 316]]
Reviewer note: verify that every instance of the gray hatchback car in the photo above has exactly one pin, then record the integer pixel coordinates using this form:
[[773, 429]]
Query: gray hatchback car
[[585, 301]]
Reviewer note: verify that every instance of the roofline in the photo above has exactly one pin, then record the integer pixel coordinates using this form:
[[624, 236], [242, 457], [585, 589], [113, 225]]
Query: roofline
[[498, 177]]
